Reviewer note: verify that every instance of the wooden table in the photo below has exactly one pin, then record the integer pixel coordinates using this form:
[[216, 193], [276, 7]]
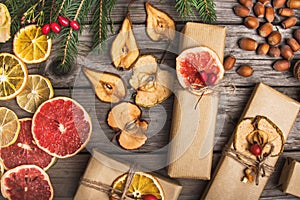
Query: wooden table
[[65, 174]]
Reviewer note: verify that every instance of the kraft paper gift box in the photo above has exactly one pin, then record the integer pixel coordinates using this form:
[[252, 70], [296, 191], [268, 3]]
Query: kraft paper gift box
[[282, 111], [290, 177], [193, 127], [103, 169]]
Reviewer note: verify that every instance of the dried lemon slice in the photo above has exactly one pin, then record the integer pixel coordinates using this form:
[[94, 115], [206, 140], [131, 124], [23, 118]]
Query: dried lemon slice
[[9, 127], [38, 90], [5, 22], [142, 184], [31, 45], [13, 76]]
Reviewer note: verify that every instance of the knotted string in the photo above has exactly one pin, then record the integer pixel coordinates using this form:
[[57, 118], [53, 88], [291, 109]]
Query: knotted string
[[108, 189], [261, 167]]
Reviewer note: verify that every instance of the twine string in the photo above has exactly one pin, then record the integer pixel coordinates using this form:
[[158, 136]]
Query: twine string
[[108, 189]]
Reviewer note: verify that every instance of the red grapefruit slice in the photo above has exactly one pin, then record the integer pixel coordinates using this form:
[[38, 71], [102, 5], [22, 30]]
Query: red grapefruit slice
[[25, 151], [197, 68], [26, 182], [61, 127]]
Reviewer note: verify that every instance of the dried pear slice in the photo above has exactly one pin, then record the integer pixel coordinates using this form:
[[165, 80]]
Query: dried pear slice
[[5, 22], [124, 50], [152, 84], [126, 117], [275, 135], [160, 26], [107, 86], [244, 128]]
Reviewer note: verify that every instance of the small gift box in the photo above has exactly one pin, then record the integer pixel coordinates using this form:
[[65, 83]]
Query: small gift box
[[254, 148], [106, 178], [194, 121], [290, 177]]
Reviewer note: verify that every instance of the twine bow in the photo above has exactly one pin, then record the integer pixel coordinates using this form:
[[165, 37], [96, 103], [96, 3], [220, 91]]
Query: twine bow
[[108, 189], [261, 167]]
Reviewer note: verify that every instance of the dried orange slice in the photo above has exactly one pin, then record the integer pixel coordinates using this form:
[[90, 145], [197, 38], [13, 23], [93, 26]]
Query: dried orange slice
[[9, 127], [13, 76], [38, 90], [31, 45], [142, 184]]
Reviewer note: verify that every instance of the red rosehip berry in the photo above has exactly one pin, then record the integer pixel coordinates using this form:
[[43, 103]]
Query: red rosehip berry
[[46, 29], [212, 79], [149, 197], [255, 149], [75, 25], [55, 27], [203, 77], [63, 21]]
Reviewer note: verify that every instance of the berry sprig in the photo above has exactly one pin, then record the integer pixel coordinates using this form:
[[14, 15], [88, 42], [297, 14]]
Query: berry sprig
[[34, 14], [62, 22]]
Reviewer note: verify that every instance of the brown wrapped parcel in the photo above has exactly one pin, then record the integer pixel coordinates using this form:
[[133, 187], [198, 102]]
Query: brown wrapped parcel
[[103, 169], [193, 127], [283, 111]]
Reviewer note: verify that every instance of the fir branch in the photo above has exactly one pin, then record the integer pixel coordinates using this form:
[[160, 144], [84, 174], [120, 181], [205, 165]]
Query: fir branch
[[205, 9]]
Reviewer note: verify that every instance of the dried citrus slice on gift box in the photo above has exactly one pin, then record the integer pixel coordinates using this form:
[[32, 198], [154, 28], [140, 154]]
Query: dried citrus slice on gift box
[[31, 45], [13, 76], [38, 90], [9, 127], [26, 182], [197, 68], [142, 184]]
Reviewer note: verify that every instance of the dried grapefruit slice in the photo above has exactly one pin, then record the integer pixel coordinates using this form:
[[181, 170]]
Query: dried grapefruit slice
[[9, 127], [26, 182], [199, 67], [37, 90], [24, 151], [31, 45], [61, 127], [142, 184], [13, 76]]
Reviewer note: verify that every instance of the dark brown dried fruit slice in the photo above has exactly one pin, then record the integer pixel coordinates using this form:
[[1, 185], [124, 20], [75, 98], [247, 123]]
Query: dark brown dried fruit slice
[[125, 117], [107, 86], [160, 26], [26, 182], [153, 85], [124, 50]]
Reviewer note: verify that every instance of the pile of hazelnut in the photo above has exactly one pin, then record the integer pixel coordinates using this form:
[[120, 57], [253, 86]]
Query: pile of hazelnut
[[265, 20]]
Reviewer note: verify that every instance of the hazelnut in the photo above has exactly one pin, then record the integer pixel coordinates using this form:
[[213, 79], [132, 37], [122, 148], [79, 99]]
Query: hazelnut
[[286, 52], [229, 62], [265, 29], [247, 3], [292, 42], [286, 12], [278, 3], [297, 35], [293, 4], [264, 2], [241, 10], [289, 22], [248, 44], [263, 49], [281, 65], [245, 70], [296, 70], [259, 10], [274, 52], [251, 22], [270, 14], [274, 38]]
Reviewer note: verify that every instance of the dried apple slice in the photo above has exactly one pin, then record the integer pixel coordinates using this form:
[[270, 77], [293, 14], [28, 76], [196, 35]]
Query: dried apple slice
[[160, 26], [107, 86], [124, 50], [126, 118], [153, 85]]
